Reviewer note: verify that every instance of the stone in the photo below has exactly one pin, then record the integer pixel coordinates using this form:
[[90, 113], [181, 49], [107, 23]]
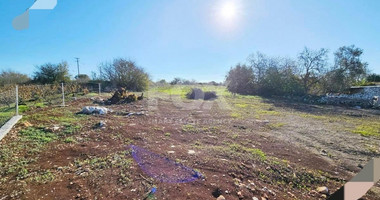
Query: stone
[[27, 124], [191, 152], [255, 198], [323, 190], [171, 152], [53, 128], [221, 197], [101, 124]]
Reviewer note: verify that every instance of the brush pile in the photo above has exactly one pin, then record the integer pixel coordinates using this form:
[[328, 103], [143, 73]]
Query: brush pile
[[122, 96], [197, 93]]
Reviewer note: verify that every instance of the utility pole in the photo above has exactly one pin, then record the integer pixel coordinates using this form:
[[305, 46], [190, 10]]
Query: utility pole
[[77, 66]]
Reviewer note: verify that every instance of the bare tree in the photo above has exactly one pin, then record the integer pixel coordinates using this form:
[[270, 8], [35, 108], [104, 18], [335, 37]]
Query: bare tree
[[12, 77], [312, 64]]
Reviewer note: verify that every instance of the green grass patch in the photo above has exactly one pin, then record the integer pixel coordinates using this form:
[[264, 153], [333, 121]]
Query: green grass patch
[[23, 108], [37, 135], [241, 105], [188, 128], [253, 151], [182, 90], [69, 140], [167, 134], [6, 113], [118, 161], [267, 112], [276, 125], [44, 177], [39, 105], [236, 115], [370, 129]]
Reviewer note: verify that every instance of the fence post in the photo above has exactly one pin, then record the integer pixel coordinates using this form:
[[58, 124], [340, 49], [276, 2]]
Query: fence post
[[16, 100], [100, 88], [63, 95]]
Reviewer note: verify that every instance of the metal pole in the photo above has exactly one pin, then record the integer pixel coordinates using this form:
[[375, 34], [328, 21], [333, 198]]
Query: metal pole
[[100, 88], [63, 96], [16, 99]]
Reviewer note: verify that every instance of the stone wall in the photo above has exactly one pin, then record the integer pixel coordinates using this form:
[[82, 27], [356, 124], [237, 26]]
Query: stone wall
[[366, 97]]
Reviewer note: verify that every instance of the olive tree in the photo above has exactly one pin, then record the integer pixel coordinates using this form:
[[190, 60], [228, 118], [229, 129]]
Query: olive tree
[[348, 69]]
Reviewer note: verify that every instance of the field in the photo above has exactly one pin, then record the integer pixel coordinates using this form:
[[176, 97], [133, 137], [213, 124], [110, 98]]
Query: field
[[244, 147]]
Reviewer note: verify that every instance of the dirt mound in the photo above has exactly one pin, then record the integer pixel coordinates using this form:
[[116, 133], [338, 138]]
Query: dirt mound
[[123, 96], [197, 93]]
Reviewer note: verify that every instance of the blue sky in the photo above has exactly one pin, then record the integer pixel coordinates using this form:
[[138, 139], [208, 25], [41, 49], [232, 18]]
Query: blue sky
[[192, 39]]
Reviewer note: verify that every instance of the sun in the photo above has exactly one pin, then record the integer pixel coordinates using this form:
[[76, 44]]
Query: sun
[[228, 10]]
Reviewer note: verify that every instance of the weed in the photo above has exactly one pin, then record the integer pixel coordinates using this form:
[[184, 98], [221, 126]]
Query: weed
[[235, 136], [44, 177], [241, 105], [69, 140], [368, 130], [188, 128], [276, 125], [116, 160], [255, 152], [71, 129], [167, 134], [37, 135], [23, 108], [236, 115]]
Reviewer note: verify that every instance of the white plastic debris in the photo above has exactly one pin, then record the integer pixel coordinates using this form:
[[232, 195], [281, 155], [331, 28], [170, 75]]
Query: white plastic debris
[[95, 110]]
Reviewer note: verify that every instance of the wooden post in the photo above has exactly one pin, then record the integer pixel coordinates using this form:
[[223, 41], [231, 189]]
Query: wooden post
[[16, 99], [63, 95]]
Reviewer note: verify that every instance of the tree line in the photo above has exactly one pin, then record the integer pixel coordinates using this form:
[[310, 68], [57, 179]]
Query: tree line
[[118, 73], [310, 73]]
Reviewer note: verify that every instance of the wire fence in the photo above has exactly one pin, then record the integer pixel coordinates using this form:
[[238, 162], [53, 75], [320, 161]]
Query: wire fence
[[7, 104], [15, 100]]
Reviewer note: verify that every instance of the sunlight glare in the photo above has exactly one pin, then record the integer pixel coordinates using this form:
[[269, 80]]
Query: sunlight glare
[[228, 10]]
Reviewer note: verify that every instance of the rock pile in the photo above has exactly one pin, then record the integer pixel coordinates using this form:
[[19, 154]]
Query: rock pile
[[368, 97]]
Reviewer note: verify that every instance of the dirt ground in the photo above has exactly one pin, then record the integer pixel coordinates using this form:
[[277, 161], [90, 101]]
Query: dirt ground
[[244, 147]]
